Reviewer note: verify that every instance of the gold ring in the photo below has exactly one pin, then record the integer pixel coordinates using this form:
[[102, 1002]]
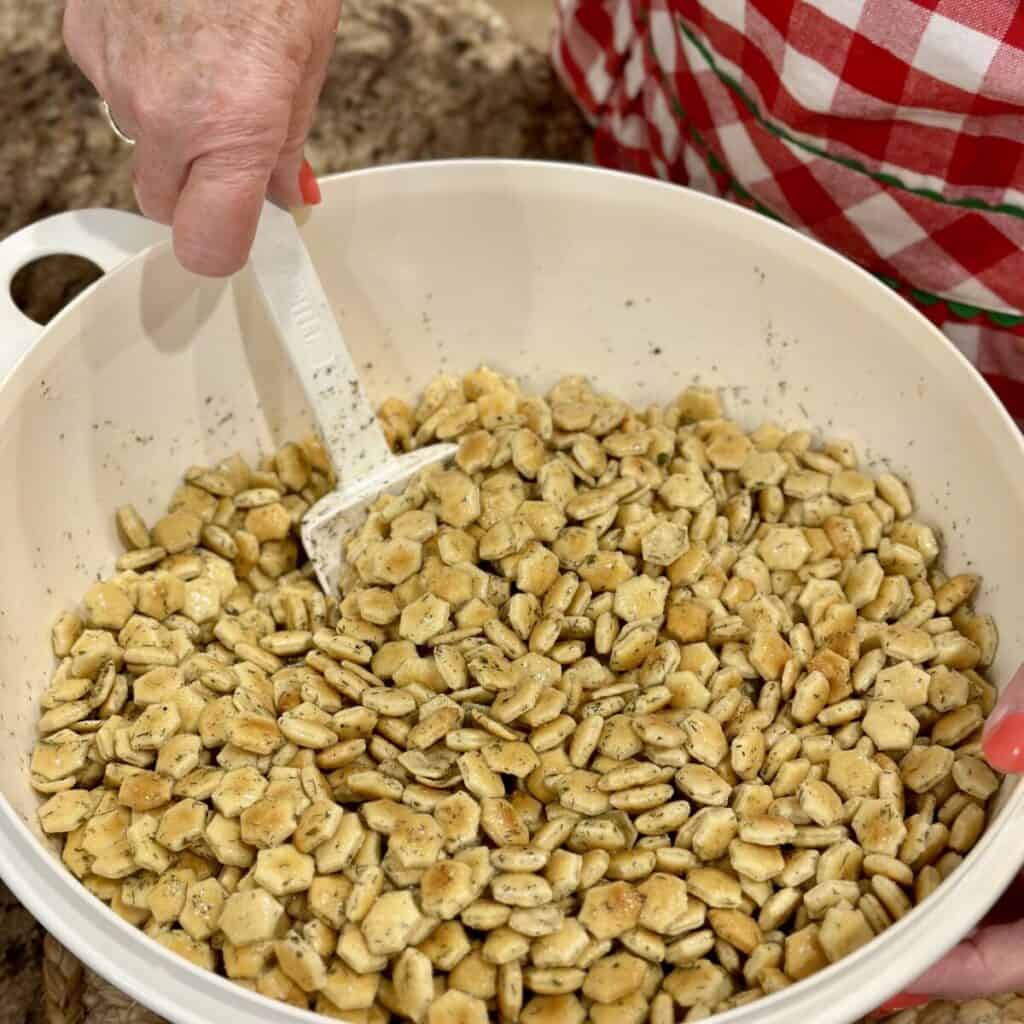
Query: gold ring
[[115, 128]]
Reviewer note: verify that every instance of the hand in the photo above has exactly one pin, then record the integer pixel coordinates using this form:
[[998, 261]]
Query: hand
[[988, 962], [219, 97]]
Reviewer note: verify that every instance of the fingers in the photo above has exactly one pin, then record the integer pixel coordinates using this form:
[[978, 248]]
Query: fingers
[[897, 1003], [1004, 731], [218, 211], [287, 184], [83, 39], [988, 962], [210, 143], [291, 184]]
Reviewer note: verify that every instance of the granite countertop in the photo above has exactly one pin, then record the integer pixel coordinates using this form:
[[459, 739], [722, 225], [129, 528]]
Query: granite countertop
[[409, 80]]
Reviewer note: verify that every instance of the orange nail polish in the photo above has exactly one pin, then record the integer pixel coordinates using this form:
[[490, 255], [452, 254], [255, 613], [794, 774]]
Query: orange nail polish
[[308, 185], [1004, 743], [906, 1001]]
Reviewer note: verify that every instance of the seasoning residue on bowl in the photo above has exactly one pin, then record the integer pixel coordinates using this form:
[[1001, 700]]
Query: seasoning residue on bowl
[[629, 716]]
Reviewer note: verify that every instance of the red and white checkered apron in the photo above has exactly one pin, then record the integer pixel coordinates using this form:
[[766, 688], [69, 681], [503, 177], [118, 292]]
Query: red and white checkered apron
[[891, 130]]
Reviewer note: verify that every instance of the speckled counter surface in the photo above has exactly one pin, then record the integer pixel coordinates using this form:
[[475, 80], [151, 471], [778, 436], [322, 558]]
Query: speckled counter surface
[[410, 79]]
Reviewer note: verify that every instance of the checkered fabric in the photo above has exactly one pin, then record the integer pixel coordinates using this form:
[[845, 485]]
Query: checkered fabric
[[891, 130]]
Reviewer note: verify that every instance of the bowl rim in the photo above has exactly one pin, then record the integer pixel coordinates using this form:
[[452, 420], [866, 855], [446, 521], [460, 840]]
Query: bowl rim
[[186, 994]]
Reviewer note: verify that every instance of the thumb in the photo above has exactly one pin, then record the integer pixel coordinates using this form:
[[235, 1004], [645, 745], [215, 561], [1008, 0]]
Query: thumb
[[1003, 738], [217, 213]]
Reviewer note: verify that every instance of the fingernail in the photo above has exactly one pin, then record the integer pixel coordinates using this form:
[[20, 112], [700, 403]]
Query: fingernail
[[1003, 736], [1004, 741], [906, 1001], [309, 186]]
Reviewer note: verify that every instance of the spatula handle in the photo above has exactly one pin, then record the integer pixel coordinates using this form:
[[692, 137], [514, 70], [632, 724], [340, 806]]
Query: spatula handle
[[310, 334]]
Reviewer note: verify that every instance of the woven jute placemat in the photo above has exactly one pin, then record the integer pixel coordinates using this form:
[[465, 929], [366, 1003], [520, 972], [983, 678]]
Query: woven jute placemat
[[410, 80]]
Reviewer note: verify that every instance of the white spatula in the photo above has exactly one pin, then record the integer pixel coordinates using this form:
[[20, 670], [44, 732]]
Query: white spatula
[[363, 462]]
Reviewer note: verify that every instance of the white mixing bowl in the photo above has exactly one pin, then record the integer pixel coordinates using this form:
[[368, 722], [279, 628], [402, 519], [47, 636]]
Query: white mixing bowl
[[539, 271]]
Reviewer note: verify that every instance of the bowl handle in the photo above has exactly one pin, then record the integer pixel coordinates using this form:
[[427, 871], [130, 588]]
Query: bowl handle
[[107, 237]]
